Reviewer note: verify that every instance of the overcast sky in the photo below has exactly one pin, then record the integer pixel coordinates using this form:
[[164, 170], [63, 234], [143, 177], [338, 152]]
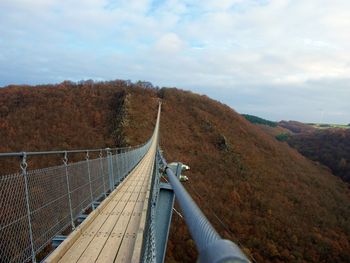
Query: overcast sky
[[277, 59]]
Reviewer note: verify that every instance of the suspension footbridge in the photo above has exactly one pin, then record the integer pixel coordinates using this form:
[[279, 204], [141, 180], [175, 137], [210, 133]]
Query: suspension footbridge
[[113, 208]]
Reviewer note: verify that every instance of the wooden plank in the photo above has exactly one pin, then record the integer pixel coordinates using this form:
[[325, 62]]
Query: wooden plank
[[81, 244], [93, 250], [139, 242], [111, 247], [96, 245], [73, 237], [127, 245]]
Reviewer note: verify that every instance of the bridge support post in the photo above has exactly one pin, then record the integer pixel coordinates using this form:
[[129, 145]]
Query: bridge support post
[[117, 156], [103, 175], [90, 182], [124, 163], [129, 156], [65, 162], [110, 169], [24, 166]]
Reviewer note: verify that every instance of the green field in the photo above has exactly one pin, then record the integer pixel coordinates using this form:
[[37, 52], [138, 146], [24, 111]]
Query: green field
[[328, 126]]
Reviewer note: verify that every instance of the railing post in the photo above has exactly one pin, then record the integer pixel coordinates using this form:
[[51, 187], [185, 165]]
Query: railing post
[[120, 156], [24, 166], [110, 169], [102, 174], [126, 162], [89, 174], [134, 158], [122, 166], [124, 157], [128, 157], [117, 164], [65, 162]]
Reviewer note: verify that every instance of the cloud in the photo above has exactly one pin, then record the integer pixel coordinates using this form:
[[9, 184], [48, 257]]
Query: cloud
[[251, 54], [169, 43]]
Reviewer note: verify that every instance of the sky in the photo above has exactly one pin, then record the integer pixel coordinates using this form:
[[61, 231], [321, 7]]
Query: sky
[[278, 59]]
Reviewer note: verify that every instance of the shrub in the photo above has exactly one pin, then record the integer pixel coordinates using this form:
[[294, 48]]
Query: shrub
[[282, 137]]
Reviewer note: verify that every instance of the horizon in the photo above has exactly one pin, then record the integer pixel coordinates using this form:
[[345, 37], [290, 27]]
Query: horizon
[[156, 86], [275, 59]]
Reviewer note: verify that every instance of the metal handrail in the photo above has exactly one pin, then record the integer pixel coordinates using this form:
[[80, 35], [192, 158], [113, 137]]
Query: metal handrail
[[21, 154], [211, 247]]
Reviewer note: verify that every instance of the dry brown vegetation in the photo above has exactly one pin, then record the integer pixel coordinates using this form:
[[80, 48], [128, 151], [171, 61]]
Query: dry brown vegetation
[[274, 131], [330, 147], [278, 205], [296, 126], [327, 146], [59, 117]]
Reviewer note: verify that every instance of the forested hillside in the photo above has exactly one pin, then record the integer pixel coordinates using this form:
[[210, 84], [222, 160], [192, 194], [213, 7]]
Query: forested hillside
[[58, 117], [323, 143], [296, 126], [330, 147], [278, 205]]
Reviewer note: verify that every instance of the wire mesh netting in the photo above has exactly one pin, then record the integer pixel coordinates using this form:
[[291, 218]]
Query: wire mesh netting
[[37, 205], [149, 252], [14, 232]]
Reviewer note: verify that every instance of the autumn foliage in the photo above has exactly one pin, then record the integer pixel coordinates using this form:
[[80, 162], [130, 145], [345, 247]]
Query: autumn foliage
[[330, 147], [59, 117], [275, 203], [278, 205]]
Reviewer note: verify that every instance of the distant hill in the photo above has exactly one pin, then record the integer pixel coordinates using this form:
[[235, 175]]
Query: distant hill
[[330, 147], [328, 144], [270, 127], [274, 131], [257, 120], [278, 205], [297, 127], [329, 126]]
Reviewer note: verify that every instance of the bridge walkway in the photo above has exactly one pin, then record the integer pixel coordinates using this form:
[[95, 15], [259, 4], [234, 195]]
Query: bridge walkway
[[114, 231]]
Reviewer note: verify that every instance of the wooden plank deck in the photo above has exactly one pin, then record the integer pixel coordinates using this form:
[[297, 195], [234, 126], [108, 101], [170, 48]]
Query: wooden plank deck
[[111, 233]]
